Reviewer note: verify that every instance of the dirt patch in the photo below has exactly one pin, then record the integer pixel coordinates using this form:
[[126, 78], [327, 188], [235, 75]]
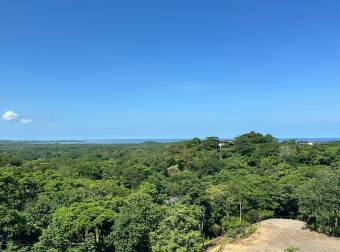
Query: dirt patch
[[274, 235]]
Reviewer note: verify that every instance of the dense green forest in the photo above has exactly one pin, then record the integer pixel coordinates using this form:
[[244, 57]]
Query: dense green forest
[[161, 197]]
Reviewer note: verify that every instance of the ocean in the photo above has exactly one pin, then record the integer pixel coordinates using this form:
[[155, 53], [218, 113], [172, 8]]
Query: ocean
[[140, 141]]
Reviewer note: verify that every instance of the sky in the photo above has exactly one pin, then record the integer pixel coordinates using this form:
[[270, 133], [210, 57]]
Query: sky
[[124, 69]]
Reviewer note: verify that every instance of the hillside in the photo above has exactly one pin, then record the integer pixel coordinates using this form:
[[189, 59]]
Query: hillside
[[274, 235], [156, 197]]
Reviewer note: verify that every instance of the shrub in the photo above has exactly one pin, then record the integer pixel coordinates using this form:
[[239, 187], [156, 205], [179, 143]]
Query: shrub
[[235, 228], [291, 248]]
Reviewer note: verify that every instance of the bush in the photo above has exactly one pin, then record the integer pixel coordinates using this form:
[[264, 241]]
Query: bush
[[216, 229], [291, 249], [266, 214], [235, 228], [259, 215]]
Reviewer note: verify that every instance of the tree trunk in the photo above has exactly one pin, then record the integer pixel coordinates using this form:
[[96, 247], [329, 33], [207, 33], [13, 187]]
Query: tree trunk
[[336, 222], [202, 226], [240, 211], [97, 235]]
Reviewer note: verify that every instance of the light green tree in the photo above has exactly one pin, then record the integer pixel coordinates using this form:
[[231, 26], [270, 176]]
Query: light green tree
[[179, 231]]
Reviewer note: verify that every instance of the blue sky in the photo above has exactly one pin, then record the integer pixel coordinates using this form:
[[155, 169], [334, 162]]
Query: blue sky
[[169, 69]]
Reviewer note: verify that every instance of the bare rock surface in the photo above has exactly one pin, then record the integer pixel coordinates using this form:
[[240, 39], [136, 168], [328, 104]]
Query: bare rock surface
[[274, 235]]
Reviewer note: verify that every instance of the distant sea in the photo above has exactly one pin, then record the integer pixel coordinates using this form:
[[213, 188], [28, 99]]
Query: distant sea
[[140, 141], [313, 140], [108, 141]]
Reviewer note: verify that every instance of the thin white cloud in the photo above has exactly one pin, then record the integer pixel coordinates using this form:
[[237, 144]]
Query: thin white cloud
[[25, 121], [9, 116]]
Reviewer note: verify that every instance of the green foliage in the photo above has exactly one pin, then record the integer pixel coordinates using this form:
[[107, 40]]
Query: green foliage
[[161, 197], [134, 223], [235, 228], [292, 249], [211, 143], [15, 226], [90, 170], [246, 144], [178, 231], [82, 225], [320, 202]]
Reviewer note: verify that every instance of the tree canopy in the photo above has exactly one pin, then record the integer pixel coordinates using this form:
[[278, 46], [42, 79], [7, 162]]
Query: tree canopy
[[161, 197]]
